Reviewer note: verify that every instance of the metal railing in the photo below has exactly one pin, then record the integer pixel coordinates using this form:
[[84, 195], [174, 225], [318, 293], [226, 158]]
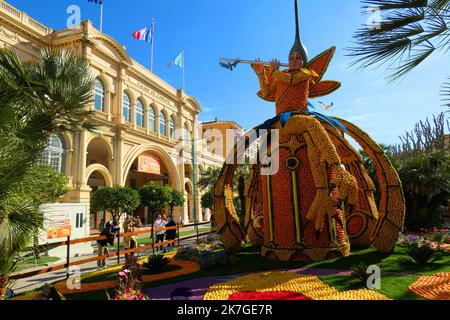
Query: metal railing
[[68, 242]]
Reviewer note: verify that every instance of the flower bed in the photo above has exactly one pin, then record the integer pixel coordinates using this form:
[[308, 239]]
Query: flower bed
[[186, 267], [286, 284], [207, 252]]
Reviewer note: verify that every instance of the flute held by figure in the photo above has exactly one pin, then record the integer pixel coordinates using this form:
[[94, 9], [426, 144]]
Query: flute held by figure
[[231, 64]]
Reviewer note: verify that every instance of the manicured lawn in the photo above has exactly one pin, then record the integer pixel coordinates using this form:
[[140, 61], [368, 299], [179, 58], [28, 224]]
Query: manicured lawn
[[393, 286], [31, 262], [397, 272], [146, 240]]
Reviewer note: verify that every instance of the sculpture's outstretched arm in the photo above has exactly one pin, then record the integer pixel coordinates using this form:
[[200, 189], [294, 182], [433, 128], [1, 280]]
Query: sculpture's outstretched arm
[[266, 82]]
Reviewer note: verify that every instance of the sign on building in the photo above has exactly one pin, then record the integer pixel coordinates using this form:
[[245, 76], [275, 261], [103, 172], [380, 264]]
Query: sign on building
[[149, 164], [62, 220]]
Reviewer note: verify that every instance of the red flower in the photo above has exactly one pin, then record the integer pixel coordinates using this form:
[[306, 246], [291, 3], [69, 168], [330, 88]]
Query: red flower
[[269, 295]]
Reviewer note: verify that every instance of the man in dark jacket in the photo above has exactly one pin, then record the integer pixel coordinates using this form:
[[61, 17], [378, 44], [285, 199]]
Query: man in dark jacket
[[171, 234], [110, 231]]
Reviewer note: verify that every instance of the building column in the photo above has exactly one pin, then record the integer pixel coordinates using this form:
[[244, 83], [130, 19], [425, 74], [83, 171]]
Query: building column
[[186, 214], [146, 122], [118, 160], [108, 105], [199, 208], [81, 194], [133, 114], [118, 116], [207, 216], [157, 124]]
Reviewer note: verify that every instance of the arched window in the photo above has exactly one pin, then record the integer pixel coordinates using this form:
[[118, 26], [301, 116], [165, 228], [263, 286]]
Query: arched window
[[139, 114], [126, 107], [99, 95], [151, 119], [162, 124], [53, 153], [172, 128]]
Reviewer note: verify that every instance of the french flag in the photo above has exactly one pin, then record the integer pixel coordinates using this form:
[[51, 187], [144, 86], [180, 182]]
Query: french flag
[[145, 34]]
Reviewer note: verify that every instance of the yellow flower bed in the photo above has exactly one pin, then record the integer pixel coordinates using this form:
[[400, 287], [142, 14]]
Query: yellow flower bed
[[310, 286], [434, 287]]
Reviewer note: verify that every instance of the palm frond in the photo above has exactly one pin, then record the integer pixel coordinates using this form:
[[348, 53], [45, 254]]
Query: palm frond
[[208, 178], [36, 100], [409, 31], [445, 93]]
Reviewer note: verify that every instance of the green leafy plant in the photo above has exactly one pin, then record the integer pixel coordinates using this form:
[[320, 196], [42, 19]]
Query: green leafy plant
[[207, 200], [154, 196], [423, 165], [156, 262], [37, 100], [116, 200], [208, 178], [359, 271], [421, 253], [426, 186], [176, 199], [408, 33]]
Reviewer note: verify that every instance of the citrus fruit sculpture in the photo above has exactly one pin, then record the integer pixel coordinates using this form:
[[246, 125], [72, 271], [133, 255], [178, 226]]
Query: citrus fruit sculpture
[[321, 200]]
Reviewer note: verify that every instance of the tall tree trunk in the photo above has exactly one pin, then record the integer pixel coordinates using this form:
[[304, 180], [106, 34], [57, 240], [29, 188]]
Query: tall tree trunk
[[3, 287]]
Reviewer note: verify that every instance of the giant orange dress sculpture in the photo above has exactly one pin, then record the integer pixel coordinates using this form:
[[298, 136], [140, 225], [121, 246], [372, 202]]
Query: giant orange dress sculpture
[[321, 200]]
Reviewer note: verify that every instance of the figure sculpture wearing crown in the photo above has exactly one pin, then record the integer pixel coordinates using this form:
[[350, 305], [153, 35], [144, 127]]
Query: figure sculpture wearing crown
[[321, 199]]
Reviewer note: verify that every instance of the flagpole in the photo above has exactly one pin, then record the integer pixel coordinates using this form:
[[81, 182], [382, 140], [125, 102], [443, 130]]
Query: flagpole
[[153, 41], [101, 16]]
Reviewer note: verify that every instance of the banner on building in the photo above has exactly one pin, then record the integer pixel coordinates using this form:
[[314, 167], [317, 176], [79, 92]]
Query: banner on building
[[149, 164]]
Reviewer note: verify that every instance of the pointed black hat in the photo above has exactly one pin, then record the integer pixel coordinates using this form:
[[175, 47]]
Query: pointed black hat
[[298, 45]]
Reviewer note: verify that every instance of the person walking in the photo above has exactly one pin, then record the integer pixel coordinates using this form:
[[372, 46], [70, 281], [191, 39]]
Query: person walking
[[159, 223], [171, 234], [130, 242], [110, 230]]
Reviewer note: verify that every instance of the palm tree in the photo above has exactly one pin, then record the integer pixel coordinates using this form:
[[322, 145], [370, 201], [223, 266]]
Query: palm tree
[[208, 178], [36, 100], [408, 33]]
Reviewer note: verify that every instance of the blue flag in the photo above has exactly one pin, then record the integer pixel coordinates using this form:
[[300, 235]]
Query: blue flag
[[177, 61]]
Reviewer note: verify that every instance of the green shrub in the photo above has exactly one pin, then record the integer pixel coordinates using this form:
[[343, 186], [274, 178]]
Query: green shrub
[[156, 262], [359, 271], [426, 186], [421, 253]]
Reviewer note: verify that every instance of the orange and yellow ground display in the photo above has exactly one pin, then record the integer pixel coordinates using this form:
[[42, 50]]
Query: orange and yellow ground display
[[284, 285]]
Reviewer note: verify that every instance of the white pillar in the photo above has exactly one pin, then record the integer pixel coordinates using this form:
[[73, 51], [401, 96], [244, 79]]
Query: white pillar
[[207, 213]]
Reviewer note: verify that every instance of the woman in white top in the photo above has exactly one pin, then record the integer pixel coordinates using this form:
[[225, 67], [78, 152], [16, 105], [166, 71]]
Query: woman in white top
[[159, 223]]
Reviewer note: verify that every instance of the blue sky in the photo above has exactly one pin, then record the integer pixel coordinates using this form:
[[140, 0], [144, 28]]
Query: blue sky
[[210, 29]]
